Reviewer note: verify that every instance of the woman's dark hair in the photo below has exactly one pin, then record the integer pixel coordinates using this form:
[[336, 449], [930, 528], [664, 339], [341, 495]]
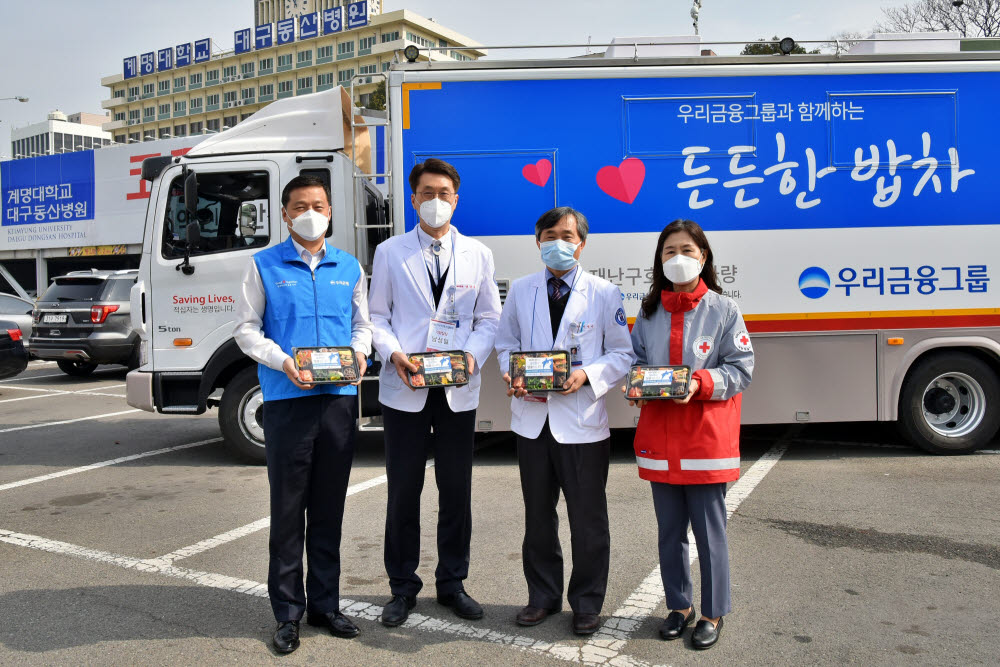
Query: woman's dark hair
[[652, 300]]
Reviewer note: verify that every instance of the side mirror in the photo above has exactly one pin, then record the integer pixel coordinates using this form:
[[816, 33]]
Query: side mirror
[[191, 194], [192, 233], [248, 220]]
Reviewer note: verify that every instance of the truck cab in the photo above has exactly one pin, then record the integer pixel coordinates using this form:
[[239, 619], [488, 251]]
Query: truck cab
[[210, 211]]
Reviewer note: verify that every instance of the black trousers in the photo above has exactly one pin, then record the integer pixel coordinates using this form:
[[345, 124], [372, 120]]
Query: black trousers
[[408, 443], [581, 472], [309, 443]]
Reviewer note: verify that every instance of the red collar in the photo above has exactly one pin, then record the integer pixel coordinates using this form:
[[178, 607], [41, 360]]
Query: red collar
[[681, 302]]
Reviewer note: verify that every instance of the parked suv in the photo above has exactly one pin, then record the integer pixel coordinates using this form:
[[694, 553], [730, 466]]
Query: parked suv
[[82, 320]]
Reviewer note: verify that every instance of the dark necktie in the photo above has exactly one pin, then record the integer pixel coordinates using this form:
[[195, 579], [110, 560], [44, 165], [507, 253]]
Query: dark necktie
[[556, 284]]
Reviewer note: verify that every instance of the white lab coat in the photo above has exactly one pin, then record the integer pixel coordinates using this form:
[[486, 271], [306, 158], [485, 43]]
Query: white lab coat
[[401, 306], [594, 322]]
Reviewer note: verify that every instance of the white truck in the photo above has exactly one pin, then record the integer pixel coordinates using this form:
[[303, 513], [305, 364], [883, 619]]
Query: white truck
[[849, 201]]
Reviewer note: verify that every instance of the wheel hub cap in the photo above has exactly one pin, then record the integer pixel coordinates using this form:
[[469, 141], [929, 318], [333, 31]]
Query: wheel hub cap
[[954, 404]]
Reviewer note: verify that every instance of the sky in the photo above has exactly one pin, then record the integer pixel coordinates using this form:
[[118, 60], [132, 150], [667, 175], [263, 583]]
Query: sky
[[56, 52]]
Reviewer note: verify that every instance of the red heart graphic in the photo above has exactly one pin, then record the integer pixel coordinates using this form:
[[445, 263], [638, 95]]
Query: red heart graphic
[[538, 173], [624, 181]]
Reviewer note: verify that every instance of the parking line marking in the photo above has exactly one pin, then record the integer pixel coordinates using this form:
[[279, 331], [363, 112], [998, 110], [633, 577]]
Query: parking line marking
[[104, 464], [28, 398], [68, 421], [253, 527], [35, 377], [357, 609], [614, 634], [110, 386]]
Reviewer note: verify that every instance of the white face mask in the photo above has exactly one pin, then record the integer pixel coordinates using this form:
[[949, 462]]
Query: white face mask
[[681, 269], [310, 225], [436, 213]]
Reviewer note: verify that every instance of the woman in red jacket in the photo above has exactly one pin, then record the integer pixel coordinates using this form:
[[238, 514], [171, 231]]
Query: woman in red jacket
[[688, 449]]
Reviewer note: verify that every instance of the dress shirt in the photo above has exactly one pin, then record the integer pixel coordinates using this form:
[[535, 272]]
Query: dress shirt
[[568, 280], [250, 314], [426, 240]]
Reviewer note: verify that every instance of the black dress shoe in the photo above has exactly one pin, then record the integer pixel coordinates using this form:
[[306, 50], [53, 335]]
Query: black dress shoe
[[339, 625], [706, 635], [286, 637], [534, 615], [585, 624], [674, 624], [463, 605], [397, 610]]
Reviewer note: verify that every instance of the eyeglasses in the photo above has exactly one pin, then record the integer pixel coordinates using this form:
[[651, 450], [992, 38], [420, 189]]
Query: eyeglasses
[[427, 195]]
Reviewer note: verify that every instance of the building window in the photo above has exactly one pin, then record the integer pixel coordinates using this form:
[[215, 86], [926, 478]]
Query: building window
[[212, 76], [324, 53], [213, 125], [118, 93], [304, 82], [246, 69], [196, 127], [180, 82], [345, 50], [285, 61], [148, 113], [120, 115], [460, 56], [247, 94], [267, 90], [304, 58], [365, 45], [228, 98], [386, 66], [266, 64], [390, 36], [165, 108], [163, 132], [422, 41], [284, 86], [212, 99], [134, 137], [163, 87], [229, 121], [180, 130], [195, 79], [148, 89], [133, 92], [196, 105], [344, 76], [180, 106], [133, 115], [120, 138], [324, 80], [228, 73]]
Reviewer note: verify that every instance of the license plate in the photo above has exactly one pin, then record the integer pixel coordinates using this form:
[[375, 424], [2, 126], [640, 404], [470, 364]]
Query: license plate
[[54, 319]]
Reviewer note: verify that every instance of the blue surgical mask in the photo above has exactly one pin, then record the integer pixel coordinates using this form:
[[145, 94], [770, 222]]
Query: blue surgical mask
[[558, 255]]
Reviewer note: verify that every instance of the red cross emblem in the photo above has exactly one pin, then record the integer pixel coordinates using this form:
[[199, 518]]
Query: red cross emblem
[[744, 339], [702, 346], [705, 347]]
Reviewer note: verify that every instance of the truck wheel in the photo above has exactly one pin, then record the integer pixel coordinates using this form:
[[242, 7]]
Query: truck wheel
[[80, 369], [241, 416], [950, 404]]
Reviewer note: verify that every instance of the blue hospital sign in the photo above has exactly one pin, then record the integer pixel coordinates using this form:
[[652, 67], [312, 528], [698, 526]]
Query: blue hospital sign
[[263, 36], [357, 14], [130, 66], [309, 26], [333, 20], [147, 62], [203, 50], [182, 55], [241, 38], [53, 188], [164, 60], [286, 31]]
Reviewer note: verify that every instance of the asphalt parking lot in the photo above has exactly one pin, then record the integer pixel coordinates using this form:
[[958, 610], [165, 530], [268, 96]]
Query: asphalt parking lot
[[132, 538]]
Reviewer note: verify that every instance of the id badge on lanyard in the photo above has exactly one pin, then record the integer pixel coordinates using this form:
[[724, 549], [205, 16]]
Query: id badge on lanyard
[[442, 332], [575, 332]]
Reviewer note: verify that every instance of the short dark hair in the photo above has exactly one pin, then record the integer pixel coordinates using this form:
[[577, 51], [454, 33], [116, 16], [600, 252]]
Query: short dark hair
[[432, 165], [304, 182], [552, 217]]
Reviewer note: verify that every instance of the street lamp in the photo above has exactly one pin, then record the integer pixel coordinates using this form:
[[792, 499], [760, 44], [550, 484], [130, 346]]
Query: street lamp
[[19, 98]]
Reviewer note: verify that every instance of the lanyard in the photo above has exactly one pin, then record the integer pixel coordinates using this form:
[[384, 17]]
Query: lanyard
[[450, 271]]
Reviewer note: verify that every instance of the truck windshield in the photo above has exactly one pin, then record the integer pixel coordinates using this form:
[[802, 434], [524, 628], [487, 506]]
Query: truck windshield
[[221, 198]]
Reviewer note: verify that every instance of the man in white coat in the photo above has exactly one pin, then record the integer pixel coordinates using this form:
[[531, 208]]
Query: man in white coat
[[564, 442], [431, 279]]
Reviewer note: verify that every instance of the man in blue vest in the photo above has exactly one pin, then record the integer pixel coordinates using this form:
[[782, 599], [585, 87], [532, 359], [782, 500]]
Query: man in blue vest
[[305, 293]]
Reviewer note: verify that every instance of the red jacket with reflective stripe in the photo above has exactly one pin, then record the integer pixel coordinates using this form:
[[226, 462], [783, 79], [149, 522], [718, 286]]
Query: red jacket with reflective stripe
[[697, 442]]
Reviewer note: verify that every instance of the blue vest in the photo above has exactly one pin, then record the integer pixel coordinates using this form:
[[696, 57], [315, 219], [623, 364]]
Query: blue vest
[[305, 309]]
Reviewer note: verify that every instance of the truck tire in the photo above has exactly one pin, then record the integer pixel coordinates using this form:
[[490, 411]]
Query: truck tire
[[80, 369], [241, 416], [950, 404]]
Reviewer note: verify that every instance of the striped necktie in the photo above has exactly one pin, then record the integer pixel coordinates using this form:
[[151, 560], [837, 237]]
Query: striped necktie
[[556, 284]]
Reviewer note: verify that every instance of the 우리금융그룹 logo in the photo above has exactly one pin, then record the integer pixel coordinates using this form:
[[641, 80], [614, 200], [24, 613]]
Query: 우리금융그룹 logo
[[814, 282]]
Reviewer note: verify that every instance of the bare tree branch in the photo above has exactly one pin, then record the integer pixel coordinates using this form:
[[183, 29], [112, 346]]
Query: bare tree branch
[[972, 18]]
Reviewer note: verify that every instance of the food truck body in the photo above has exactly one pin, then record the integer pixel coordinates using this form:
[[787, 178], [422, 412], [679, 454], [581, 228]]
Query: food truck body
[[850, 204]]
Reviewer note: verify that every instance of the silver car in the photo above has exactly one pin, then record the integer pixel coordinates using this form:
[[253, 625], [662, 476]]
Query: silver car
[[15, 309]]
